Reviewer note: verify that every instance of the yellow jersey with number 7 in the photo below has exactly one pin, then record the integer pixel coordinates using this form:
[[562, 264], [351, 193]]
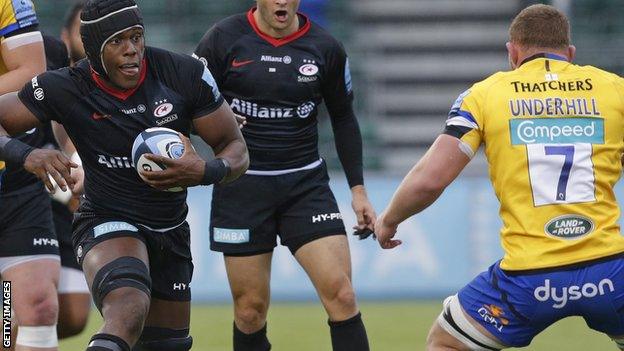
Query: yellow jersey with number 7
[[553, 135]]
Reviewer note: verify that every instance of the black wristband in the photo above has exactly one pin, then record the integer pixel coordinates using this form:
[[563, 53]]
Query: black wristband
[[13, 150], [215, 171]]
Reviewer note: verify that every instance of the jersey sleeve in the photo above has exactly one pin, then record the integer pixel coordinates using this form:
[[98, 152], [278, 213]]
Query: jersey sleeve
[[212, 54], [205, 94], [337, 87], [42, 99], [465, 121], [16, 17]]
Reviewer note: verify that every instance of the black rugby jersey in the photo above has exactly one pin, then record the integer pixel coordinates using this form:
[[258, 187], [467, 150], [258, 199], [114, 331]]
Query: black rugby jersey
[[278, 84], [103, 123], [16, 177]]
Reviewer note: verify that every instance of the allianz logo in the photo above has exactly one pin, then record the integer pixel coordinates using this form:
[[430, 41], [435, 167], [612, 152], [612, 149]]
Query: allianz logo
[[556, 130], [252, 109], [571, 293]]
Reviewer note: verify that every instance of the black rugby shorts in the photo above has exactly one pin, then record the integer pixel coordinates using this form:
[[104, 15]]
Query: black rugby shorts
[[63, 227], [250, 213], [170, 263], [26, 226]]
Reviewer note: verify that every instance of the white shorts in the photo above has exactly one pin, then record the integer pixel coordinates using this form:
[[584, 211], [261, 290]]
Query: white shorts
[[72, 281], [12, 261]]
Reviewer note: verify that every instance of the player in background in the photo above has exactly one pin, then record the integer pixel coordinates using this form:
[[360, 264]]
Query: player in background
[[73, 292], [553, 135], [130, 237], [70, 34], [275, 67], [29, 254]]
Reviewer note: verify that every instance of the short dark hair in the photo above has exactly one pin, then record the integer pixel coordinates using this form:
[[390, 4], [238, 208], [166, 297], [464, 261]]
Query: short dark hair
[[540, 26], [72, 13]]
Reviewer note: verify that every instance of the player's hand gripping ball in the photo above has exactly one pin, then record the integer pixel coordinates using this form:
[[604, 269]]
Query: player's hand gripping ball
[[158, 141]]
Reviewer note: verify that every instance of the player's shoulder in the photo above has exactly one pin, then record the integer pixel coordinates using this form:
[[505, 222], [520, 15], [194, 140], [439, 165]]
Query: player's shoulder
[[492, 82], [322, 38], [595, 72]]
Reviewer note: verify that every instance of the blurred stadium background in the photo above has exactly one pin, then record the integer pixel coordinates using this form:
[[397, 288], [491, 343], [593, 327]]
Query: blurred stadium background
[[410, 60]]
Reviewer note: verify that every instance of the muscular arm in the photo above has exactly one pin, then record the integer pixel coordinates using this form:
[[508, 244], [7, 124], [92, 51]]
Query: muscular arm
[[427, 180], [15, 118], [22, 62], [220, 130], [422, 186]]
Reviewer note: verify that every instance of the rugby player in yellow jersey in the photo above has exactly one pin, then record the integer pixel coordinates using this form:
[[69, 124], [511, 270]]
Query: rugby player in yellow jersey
[[29, 257], [553, 135]]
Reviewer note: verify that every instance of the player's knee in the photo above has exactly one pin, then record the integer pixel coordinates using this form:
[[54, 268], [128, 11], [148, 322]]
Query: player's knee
[[128, 307], [124, 272], [341, 294], [164, 339], [43, 310], [251, 310]]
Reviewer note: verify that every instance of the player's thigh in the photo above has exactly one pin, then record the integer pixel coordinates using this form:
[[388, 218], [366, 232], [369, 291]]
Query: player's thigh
[[327, 261], [601, 302], [99, 241], [169, 314], [249, 276], [503, 307]]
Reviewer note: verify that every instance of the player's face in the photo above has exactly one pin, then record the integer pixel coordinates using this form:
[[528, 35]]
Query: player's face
[[122, 58], [279, 15], [73, 41]]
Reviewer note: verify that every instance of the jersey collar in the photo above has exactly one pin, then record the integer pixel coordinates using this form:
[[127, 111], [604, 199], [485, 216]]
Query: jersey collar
[[544, 55], [278, 41], [120, 94]]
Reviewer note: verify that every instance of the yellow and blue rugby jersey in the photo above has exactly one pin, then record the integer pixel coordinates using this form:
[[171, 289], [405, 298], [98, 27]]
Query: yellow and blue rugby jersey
[[14, 15], [553, 134]]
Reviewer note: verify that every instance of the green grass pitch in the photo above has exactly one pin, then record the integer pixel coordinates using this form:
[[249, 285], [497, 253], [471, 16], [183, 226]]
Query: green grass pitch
[[391, 326]]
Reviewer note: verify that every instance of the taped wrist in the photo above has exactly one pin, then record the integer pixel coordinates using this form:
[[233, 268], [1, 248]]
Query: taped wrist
[[215, 171], [13, 150]]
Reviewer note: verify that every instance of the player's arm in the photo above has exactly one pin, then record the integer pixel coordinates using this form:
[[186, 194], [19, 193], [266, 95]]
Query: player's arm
[[219, 130], [422, 186], [15, 118], [338, 96], [24, 57]]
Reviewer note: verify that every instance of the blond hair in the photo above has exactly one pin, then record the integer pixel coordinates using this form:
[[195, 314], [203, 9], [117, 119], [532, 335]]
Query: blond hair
[[540, 26]]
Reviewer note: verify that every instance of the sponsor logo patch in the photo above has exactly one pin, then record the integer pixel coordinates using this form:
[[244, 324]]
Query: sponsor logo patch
[[493, 315], [111, 227], [569, 227], [571, 293], [231, 236], [557, 130]]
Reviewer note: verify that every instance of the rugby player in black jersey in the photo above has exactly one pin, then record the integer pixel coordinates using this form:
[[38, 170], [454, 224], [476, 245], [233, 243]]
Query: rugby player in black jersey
[[275, 67], [130, 237]]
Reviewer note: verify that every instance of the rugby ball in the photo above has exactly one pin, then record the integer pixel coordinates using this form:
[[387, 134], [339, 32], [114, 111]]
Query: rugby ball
[[158, 141]]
